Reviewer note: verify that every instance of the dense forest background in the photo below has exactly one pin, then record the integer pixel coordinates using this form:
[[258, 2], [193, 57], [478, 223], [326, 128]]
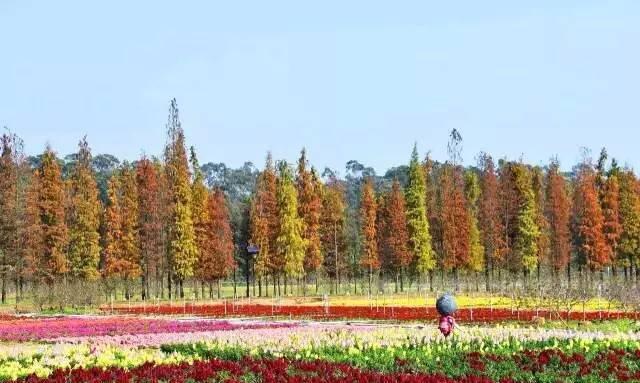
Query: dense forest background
[[82, 227]]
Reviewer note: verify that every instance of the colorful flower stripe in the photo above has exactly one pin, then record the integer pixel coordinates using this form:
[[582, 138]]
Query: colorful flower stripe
[[266, 371], [363, 312], [53, 328], [336, 335]]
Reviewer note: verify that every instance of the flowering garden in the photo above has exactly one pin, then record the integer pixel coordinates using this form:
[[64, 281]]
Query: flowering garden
[[179, 348]]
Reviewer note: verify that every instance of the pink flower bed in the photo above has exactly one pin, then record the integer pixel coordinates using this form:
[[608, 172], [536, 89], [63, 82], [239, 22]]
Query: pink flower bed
[[52, 328], [249, 337]]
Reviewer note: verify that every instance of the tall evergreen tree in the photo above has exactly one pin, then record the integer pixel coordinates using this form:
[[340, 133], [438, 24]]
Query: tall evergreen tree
[[84, 217], [417, 222], [476, 249], [264, 221], [309, 209], [182, 242], [199, 197], [527, 231]]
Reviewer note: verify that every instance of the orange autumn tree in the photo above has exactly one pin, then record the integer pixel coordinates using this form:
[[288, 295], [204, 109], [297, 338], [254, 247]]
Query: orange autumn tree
[[332, 223], [309, 209], [611, 211], [558, 213], [455, 215], [149, 222], [122, 251], [264, 223], [369, 248], [52, 262], [489, 218], [84, 217], [9, 224], [591, 247], [629, 243], [33, 240], [396, 235], [543, 242], [113, 229], [216, 254]]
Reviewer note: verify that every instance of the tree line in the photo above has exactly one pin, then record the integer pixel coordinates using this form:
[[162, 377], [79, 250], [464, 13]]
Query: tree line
[[155, 225]]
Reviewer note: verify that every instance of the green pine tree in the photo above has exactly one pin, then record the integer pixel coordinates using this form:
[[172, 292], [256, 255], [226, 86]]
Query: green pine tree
[[419, 236], [526, 241], [183, 250], [472, 191], [290, 245]]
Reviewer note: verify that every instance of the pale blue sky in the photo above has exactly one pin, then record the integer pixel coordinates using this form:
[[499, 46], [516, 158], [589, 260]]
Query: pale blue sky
[[347, 79]]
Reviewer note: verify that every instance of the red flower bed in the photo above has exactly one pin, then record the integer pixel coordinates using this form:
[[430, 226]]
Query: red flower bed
[[402, 313], [267, 371]]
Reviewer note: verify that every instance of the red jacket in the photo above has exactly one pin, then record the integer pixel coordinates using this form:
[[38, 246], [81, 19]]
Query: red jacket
[[447, 323]]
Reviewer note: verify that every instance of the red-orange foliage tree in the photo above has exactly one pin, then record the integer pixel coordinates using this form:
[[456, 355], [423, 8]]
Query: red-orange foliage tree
[[216, 257], [558, 213], [611, 212], [509, 205], [33, 240], [490, 222], [590, 242], [396, 235], [368, 210], [455, 221], [8, 210], [122, 254], [149, 222]]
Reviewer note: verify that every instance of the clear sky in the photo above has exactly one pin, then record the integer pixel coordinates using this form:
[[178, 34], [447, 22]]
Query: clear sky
[[347, 79]]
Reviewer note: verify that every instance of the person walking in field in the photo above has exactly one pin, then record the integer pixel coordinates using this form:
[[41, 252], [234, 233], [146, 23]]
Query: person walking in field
[[446, 306]]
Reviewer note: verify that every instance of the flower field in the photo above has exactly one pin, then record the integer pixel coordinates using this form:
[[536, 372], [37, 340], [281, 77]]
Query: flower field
[[398, 313], [160, 349], [52, 328]]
